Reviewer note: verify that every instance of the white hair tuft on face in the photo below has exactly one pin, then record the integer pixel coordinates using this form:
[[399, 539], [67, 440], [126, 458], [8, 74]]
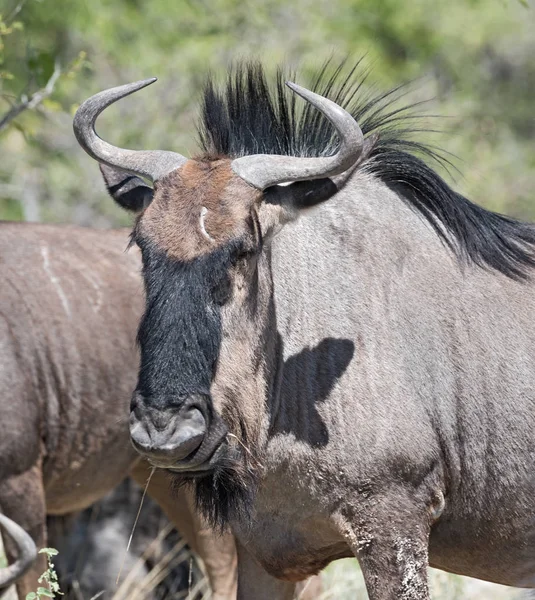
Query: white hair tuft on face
[[204, 212]]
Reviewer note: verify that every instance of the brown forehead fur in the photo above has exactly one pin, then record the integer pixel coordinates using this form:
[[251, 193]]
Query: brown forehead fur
[[172, 220]]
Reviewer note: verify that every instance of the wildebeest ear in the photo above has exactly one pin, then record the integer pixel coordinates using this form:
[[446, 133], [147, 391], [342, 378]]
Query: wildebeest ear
[[302, 194], [283, 203], [129, 191]]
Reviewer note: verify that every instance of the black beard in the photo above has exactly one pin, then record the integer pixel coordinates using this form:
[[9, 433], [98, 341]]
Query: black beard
[[226, 493]]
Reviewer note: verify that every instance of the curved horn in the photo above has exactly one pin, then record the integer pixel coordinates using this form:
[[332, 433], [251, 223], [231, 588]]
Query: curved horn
[[27, 552], [153, 164], [265, 170]]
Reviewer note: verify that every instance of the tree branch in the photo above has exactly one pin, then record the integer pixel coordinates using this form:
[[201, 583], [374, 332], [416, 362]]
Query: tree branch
[[33, 100], [16, 10]]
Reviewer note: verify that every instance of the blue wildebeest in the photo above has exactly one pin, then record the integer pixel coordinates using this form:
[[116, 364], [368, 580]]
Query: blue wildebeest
[[70, 301], [355, 382]]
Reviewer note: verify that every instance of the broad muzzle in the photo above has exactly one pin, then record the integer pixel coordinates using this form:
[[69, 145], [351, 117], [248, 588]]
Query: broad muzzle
[[180, 435]]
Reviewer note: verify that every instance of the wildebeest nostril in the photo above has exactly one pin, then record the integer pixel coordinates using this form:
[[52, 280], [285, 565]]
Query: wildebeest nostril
[[188, 435]]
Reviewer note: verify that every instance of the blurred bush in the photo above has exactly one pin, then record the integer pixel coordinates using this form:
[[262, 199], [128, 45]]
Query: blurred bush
[[474, 57]]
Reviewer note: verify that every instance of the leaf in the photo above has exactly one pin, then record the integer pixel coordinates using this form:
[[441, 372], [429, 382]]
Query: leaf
[[49, 551], [44, 592], [31, 596]]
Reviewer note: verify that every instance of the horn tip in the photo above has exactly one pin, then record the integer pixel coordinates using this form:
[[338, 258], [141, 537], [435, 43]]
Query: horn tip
[[300, 91]]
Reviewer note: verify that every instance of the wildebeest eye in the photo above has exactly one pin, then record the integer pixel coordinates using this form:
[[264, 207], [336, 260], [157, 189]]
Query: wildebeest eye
[[245, 254], [246, 251], [222, 290]]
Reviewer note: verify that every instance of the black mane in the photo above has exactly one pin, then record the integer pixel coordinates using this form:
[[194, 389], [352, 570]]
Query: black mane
[[250, 117]]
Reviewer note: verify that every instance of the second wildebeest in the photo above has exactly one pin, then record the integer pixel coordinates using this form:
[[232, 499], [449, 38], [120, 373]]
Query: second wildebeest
[[358, 382], [70, 299]]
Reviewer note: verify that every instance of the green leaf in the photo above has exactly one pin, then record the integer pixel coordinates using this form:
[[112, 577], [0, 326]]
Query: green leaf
[[49, 551], [44, 592], [31, 596]]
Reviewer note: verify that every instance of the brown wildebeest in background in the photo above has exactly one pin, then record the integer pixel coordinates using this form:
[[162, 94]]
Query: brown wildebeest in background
[[70, 300], [358, 382]]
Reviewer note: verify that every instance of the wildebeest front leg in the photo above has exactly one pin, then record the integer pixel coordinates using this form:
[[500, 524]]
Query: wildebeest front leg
[[391, 544], [396, 571], [22, 499]]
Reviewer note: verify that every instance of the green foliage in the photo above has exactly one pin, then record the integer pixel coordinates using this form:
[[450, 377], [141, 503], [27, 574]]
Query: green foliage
[[7, 27], [474, 57], [49, 578], [40, 71]]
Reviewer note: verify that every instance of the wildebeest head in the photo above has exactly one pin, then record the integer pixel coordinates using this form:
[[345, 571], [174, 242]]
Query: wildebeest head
[[208, 336]]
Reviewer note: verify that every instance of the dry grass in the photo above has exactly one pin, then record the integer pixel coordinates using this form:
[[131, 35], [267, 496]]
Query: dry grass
[[343, 581], [133, 588]]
